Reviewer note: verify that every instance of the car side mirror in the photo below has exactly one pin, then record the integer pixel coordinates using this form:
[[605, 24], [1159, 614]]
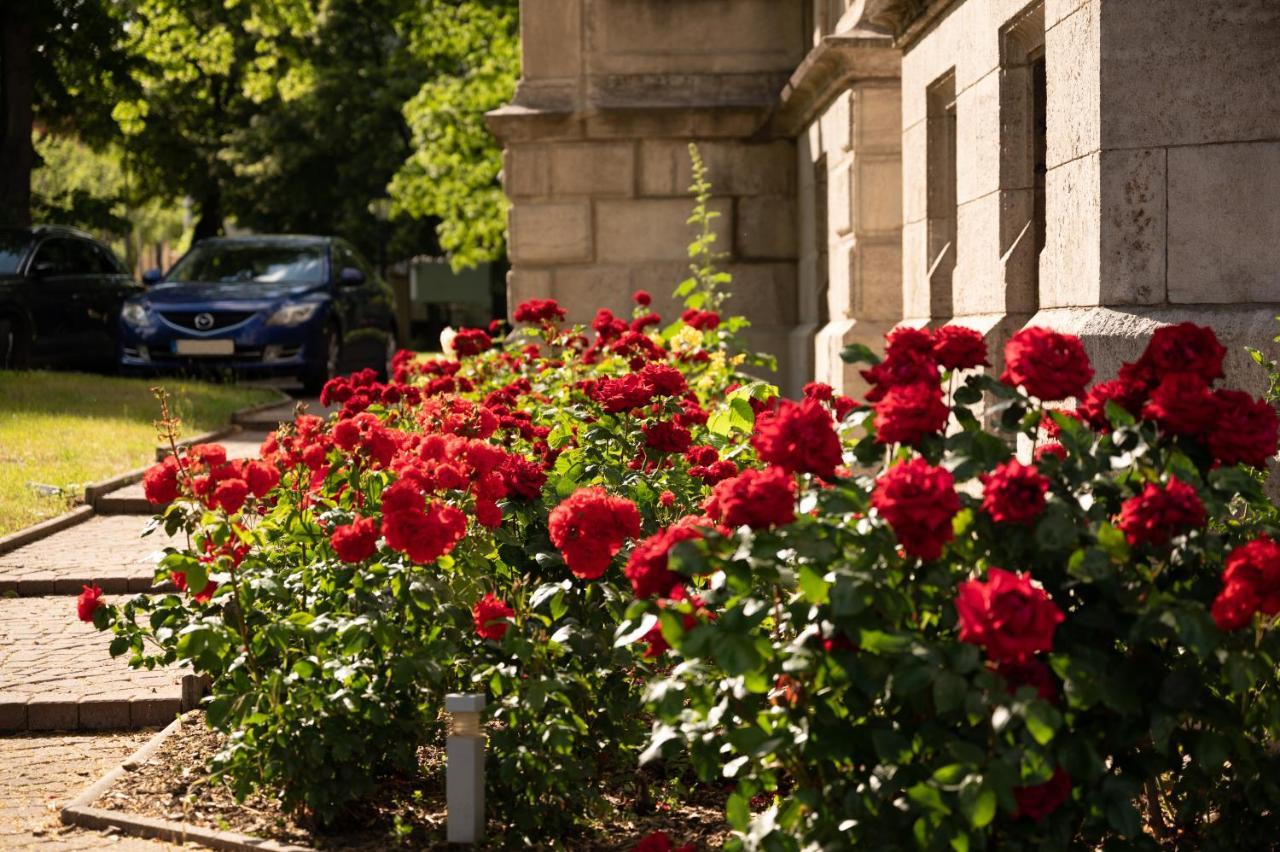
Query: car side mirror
[[350, 277], [152, 276]]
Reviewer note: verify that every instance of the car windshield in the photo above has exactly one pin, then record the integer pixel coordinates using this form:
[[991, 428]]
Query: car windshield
[[248, 262], [13, 247]]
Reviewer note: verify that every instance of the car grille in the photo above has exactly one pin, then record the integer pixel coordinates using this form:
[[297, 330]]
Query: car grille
[[221, 319]]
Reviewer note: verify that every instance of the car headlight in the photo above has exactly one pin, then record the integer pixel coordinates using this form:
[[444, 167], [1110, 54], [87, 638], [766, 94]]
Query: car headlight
[[294, 314], [134, 313]]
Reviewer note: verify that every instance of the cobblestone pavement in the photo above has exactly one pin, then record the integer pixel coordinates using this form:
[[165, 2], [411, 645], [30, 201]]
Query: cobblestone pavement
[[41, 773], [56, 674], [105, 550]]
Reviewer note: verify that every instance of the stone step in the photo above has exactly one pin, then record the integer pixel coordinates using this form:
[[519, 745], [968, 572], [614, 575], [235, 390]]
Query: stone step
[[107, 550], [56, 674]]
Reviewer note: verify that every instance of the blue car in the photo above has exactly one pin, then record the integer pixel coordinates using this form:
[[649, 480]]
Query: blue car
[[310, 307]]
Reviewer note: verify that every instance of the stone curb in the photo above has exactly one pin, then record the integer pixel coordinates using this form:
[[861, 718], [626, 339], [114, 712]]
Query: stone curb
[[244, 417], [89, 713], [80, 812], [44, 529]]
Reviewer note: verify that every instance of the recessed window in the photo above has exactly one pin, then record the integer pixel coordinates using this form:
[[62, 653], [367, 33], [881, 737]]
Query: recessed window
[[940, 179], [1023, 160]]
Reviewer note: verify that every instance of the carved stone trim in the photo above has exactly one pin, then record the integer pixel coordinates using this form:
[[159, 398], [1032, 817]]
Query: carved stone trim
[[829, 69]]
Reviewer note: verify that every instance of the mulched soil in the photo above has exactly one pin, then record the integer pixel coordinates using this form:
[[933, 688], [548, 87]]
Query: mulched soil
[[174, 785]]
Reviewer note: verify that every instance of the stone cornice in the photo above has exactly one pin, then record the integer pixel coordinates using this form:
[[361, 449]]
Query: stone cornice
[[830, 68], [890, 17]]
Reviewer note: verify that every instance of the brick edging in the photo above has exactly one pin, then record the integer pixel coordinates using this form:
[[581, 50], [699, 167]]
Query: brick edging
[[244, 416], [90, 713], [80, 812], [44, 529]]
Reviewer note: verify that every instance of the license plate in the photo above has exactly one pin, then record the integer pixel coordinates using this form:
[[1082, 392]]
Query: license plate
[[204, 347]]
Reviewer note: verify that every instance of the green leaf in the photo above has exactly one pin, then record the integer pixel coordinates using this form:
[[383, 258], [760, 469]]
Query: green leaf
[[735, 653], [1042, 721], [978, 804], [859, 353], [738, 812], [949, 692], [813, 586]]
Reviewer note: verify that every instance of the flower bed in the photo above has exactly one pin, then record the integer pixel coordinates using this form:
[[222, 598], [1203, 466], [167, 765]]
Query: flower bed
[[871, 618]]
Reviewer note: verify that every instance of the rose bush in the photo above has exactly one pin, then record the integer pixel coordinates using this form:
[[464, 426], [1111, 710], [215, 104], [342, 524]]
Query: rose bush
[[948, 647]]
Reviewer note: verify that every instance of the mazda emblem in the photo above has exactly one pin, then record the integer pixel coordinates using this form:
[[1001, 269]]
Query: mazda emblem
[[204, 322]]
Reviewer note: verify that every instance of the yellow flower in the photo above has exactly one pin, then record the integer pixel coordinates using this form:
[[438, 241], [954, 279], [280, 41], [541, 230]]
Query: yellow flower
[[686, 340]]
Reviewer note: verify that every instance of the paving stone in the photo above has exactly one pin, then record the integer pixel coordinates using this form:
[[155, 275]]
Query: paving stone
[[39, 773], [104, 550], [59, 668]]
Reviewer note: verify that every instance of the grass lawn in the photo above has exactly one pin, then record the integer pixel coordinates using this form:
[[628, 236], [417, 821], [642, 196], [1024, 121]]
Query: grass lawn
[[59, 431]]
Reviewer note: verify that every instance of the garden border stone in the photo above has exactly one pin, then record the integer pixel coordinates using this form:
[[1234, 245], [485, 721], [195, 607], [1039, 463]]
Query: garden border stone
[[80, 812], [44, 529]]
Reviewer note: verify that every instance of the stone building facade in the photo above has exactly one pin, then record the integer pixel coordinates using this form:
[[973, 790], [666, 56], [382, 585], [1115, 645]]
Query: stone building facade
[[1097, 166]]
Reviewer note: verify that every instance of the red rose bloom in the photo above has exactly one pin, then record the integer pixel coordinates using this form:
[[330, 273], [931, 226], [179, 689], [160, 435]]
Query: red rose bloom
[[160, 482], [757, 498], [523, 477], [1182, 404], [667, 437], [590, 528], [701, 320], [90, 599], [230, 494], [357, 541], [424, 534], [642, 298], [819, 390], [1014, 493], [539, 310], [1159, 513], [489, 614], [471, 341], [918, 502], [1009, 617], [1038, 801], [1251, 583], [1125, 393], [909, 359], [798, 437], [648, 566], [658, 841], [1047, 365], [261, 477], [1053, 448], [907, 413], [664, 379], [959, 348], [1032, 673], [1182, 348], [1245, 429], [623, 393]]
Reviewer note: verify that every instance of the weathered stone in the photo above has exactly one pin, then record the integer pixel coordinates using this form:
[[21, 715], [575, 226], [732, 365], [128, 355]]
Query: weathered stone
[[877, 199], [526, 171], [1133, 232], [1072, 49], [766, 227], [595, 169], [546, 232], [527, 283], [653, 229], [1069, 271], [550, 38]]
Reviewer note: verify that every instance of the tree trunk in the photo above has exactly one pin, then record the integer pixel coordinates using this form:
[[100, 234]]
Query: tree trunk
[[17, 156], [210, 222]]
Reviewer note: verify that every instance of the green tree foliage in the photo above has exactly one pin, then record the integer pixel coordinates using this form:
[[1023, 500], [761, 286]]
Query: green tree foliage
[[472, 51]]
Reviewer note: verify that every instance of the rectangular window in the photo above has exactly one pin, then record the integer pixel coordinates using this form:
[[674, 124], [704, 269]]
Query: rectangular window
[[1039, 150], [940, 180], [1023, 160]]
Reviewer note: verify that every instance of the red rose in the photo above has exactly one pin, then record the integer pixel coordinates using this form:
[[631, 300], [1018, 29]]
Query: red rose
[[1032, 673], [490, 614], [757, 498], [642, 298], [209, 455], [959, 348], [590, 528], [664, 379], [1185, 347], [1245, 429], [1014, 493], [160, 482], [261, 477], [701, 320], [203, 596], [471, 341], [798, 437], [230, 495], [524, 478], [90, 599], [909, 359], [658, 841], [623, 393], [667, 437], [357, 541], [1126, 393], [1251, 583], [907, 413], [1182, 404], [1159, 513], [647, 568], [666, 499], [1047, 365], [539, 310], [819, 390], [1053, 448], [918, 502], [905, 340], [1008, 616], [424, 535], [1038, 801]]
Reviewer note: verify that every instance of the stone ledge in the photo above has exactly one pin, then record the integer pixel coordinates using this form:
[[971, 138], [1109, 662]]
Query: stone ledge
[[828, 70]]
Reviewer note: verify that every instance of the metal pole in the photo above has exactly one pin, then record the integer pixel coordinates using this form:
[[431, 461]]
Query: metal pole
[[464, 768]]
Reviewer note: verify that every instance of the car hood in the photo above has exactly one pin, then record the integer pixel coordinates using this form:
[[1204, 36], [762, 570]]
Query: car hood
[[184, 293]]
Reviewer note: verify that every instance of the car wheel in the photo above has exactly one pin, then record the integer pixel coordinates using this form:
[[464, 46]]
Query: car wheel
[[324, 365], [14, 350]]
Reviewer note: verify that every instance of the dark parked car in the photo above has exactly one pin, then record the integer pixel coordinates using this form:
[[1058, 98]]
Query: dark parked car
[[263, 305], [60, 298]]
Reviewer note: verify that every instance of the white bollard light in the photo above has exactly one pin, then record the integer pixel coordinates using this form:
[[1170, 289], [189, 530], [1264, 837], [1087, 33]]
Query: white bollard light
[[464, 768]]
